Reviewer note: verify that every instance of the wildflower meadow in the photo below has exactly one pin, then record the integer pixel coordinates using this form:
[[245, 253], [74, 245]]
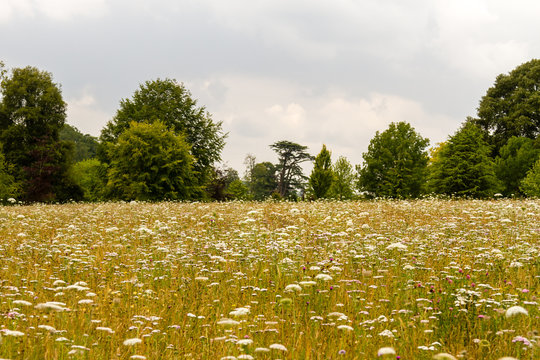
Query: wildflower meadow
[[423, 279]]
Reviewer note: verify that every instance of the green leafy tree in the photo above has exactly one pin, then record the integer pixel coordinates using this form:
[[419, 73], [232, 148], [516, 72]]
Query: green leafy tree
[[395, 163], [516, 158], [290, 177], [237, 190], [171, 103], [9, 188], [90, 175], [464, 166], [322, 175], [150, 163], [510, 107], [263, 180], [343, 184], [530, 185], [85, 146], [32, 112]]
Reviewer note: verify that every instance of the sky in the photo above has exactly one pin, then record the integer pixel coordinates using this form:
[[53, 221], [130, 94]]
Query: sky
[[313, 72]]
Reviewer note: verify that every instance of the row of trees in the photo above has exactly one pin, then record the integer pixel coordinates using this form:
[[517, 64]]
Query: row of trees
[[162, 145]]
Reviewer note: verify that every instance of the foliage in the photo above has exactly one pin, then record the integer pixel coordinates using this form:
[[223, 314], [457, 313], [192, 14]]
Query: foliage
[[171, 103], [32, 112], [9, 188], [263, 180], [237, 190], [464, 166], [90, 175], [85, 146], [515, 159], [343, 184], [221, 178], [395, 163], [510, 107], [322, 175], [150, 162], [530, 185], [290, 177]]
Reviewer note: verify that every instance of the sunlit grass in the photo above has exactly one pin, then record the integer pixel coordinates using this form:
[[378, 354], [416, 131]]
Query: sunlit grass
[[351, 280]]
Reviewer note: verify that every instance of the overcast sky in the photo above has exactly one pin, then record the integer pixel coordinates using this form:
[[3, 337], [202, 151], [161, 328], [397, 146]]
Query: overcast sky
[[309, 71]]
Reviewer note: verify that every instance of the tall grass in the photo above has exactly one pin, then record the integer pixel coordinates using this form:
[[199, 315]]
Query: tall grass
[[323, 280]]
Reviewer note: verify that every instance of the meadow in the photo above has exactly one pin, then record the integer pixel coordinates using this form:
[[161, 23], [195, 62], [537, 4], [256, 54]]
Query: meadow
[[274, 280]]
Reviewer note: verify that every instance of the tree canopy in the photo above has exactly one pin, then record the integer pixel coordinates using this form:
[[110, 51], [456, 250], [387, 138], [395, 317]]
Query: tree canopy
[[322, 175], [511, 106], [171, 103], [395, 163], [464, 166], [32, 112], [516, 158], [84, 146], [343, 183], [289, 173], [150, 162]]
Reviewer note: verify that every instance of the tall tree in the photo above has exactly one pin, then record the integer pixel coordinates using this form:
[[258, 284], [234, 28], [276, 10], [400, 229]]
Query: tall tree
[[322, 175], [343, 184], [32, 112], [510, 107], [516, 158], [171, 103], [150, 162], [263, 180], [289, 173], [464, 166], [395, 163]]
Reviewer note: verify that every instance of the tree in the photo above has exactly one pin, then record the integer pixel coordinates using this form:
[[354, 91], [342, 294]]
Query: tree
[[150, 163], [290, 176], [221, 178], [464, 166], [342, 186], [85, 146], [510, 107], [32, 112], [263, 180], [530, 185], [395, 163], [237, 190], [90, 175], [322, 175], [516, 158], [9, 188], [171, 103]]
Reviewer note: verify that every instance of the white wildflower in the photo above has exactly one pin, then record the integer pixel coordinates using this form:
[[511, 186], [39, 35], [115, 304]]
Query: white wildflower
[[323, 277], [386, 351], [228, 322], [386, 333], [278, 347], [397, 246], [241, 311], [132, 341], [8, 332], [106, 329], [22, 303], [293, 287], [444, 356], [515, 311]]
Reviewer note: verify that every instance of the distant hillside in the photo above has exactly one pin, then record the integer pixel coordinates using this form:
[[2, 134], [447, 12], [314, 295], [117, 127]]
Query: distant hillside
[[85, 145]]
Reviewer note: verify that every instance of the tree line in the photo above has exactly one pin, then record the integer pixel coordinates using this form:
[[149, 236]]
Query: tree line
[[161, 145]]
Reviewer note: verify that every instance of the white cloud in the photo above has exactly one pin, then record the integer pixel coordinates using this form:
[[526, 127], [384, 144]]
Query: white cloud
[[469, 38], [52, 9], [84, 113], [260, 111]]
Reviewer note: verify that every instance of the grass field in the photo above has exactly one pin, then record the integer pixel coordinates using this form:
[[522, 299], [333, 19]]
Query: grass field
[[324, 280]]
